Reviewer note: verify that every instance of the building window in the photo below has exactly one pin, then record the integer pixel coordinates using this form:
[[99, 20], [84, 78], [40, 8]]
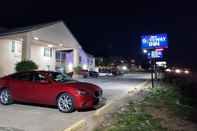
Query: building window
[[80, 59], [48, 52], [16, 47], [13, 46]]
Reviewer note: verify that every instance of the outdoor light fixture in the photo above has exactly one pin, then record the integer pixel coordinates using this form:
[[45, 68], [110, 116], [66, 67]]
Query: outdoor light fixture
[[36, 38], [124, 68], [145, 51], [50, 46]]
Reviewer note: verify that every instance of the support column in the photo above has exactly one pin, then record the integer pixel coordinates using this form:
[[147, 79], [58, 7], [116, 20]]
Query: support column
[[76, 57], [26, 46]]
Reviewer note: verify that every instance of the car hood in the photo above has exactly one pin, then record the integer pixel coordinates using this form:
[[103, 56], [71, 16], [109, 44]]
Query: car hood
[[84, 86]]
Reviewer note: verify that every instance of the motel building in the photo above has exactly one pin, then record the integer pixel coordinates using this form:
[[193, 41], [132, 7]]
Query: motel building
[[51, 46]]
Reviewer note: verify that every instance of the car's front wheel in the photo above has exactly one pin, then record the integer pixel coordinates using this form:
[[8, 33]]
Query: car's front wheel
[[5, 97], [65, 103]]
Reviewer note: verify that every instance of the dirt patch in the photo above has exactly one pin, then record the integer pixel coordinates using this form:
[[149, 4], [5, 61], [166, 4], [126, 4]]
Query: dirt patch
[[169, 120]]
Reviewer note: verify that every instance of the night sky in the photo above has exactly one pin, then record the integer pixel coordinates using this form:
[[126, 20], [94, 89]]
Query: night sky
[[114, 28]]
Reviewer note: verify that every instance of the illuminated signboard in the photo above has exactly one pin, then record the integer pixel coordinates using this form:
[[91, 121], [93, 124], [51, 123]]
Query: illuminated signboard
[[154, 41], [155, 54]]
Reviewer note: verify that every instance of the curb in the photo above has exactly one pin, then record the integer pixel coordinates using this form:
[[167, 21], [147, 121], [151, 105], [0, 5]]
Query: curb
[[102, 109], [78, 126], [105, 108]]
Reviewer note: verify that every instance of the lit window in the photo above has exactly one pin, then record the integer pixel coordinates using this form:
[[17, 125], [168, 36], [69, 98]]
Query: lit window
[[48, 52]]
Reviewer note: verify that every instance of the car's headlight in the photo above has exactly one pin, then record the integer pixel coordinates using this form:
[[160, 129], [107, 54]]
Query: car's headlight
[[82, 92]]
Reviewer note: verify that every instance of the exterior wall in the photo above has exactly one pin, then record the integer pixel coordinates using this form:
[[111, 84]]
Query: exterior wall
[[55, 35], [91, 64], [83, 59], [76, 55], [64, 61], [7, 57], [69, 62], [86, 61], [43, 62]]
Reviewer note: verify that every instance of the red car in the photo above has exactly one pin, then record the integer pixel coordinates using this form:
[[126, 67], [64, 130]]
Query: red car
[[50, 88]]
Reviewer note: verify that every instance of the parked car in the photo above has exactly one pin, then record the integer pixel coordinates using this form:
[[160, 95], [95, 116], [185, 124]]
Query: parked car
[[50, 88], [93, 74], [105, 72], [84, 73], [70, 74]]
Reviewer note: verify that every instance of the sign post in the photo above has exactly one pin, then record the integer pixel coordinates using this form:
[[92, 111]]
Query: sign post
[[154, 45]]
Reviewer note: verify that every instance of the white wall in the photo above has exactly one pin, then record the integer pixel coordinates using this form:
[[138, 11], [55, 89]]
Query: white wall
[[43, 62], [91, 65], [8, 59]]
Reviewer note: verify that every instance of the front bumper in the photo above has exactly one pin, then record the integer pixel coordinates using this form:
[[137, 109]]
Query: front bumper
[[101, 102], [89, 102]]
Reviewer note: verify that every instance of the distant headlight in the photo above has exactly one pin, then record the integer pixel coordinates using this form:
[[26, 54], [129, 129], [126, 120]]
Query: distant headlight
[[168, 70], [82, 92], [186, 72], [178, 71]]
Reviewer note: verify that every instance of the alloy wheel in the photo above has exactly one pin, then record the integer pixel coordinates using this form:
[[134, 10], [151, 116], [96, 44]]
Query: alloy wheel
[[5, 97], [65, 103]]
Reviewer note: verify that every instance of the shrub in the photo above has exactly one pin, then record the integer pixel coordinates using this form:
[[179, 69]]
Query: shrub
[[77, 69], [26, 65]]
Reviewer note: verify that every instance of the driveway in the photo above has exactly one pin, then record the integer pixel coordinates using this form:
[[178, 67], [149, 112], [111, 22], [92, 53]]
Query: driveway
[[20, 117]]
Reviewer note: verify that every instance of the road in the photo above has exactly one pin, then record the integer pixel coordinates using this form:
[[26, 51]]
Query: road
[[19, 117]]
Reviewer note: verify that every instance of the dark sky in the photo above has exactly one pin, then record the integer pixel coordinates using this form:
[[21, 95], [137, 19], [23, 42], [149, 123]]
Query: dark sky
[[114, 27]]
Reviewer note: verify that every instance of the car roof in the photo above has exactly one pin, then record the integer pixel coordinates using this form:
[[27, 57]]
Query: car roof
[[37, 71]]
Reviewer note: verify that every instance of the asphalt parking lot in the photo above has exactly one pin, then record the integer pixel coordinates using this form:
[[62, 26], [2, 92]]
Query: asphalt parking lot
[[20, 117]]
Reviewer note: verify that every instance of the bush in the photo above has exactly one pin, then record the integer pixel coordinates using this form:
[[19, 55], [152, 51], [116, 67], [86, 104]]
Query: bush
[[26, 65], [186, 86], [77, 69]]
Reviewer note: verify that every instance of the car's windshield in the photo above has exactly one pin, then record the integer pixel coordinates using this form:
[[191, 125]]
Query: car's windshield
[[60, 77]]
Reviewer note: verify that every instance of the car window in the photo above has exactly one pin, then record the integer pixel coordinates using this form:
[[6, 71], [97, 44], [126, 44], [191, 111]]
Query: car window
[[23, 76], [59, 77], [39, 77]]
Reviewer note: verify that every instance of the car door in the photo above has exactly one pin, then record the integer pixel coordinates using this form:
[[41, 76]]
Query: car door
[[21, 85], [43, 91]]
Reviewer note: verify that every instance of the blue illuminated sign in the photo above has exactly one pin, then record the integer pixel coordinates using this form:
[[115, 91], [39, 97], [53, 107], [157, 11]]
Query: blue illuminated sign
[[155, 54], [154, 41]]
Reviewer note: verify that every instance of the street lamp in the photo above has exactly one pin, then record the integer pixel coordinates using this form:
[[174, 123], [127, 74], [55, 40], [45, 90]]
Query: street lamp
[[145, 51]]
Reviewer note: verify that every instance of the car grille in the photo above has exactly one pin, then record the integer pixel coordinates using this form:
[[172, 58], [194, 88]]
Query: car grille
[[98, 93]]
